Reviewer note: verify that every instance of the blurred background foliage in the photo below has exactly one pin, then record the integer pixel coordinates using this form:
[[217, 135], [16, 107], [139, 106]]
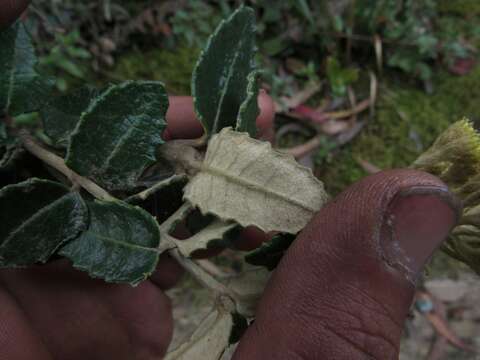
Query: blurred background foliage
[[422, 54]]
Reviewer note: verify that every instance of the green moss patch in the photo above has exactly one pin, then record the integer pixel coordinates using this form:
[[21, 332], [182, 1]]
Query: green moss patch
[[173, 67], [406, 123]]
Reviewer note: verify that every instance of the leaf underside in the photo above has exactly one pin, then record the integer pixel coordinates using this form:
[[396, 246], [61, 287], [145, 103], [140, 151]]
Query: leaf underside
[[117, 136], [245, 180], [220, 78], [37, 216], [210, 236], [209, 340], [249, 111], [61, 115], [22, 89], [119, 246]]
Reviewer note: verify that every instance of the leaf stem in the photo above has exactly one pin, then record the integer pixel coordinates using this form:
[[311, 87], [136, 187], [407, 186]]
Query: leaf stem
[[201, 275], [58, 163], [145, 194]]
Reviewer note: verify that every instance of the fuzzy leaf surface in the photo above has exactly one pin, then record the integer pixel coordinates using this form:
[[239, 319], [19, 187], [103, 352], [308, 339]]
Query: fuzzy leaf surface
[[117, 136], [22, 89], [249, 111], [245, 180], [210, 340], [219, 82], [212, 235], [249, 287], [37, 216], [61, 115], [120, 245]]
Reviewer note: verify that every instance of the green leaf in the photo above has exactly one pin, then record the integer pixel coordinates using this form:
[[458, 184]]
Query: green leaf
[[117, 136], [10, 147], [22, 89], [249, 111], [37, 216], [119, 246], [61, 115], [219, 82], [271, 252]]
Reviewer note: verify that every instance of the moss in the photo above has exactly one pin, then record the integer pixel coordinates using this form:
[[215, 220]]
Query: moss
[[174, 68], [406, 124], [466, 8]]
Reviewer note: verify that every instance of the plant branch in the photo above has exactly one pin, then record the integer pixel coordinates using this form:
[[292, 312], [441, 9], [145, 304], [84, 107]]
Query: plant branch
[[213, 269], [201, 275], [58, 163], [145, 194]]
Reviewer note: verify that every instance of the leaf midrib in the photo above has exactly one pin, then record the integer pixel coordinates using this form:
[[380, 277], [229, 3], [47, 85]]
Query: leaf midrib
[[32, 218], [122, 243], [229, 77], [256, 187]]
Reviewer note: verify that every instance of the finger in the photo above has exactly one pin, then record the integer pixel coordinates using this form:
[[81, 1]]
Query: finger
[[250, 238], [10, 10], [17, 338], [168, 272], [344, 288], [77, 317], [183, 123]]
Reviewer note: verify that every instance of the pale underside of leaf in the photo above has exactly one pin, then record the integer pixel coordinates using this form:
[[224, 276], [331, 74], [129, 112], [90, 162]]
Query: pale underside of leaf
[[248, 287], [249, 111], [245, 180], [209, 340], [204, 239], [219, 81], [120, 244]]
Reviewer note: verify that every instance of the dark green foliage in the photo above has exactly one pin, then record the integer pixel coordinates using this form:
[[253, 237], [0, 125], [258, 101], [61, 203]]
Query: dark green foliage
[[240, 325], [117, 136], [219, 82], [37, 216], [120, 244], [9, 147], [61, 115], [22, 89], [271, 252]]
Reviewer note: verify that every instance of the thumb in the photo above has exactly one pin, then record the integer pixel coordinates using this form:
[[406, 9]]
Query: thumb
[[344, 288]]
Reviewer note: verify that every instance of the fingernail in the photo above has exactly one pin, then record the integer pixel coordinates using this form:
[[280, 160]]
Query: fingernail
[[417, 221]]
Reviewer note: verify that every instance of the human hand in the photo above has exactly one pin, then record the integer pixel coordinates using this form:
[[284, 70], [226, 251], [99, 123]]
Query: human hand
[[342, 291]]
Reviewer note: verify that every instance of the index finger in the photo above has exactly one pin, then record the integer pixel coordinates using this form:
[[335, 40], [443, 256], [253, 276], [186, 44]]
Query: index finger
[[182, 122]]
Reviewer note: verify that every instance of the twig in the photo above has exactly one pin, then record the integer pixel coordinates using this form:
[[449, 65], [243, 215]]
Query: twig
[[361, 106], [212, 269], [178, 215], [58, 163], [201, 275], [301, 150], [145, 194]]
